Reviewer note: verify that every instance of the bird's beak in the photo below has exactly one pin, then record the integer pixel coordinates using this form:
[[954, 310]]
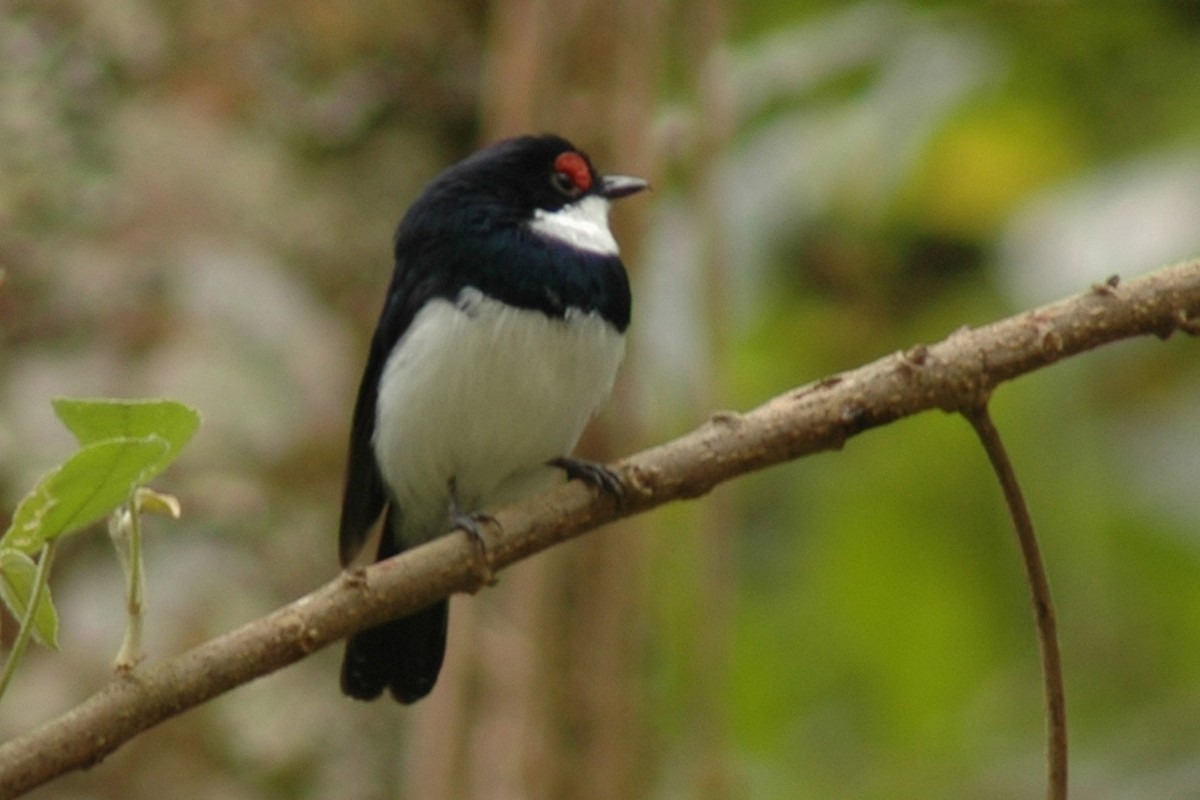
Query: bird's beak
[[617, 186]]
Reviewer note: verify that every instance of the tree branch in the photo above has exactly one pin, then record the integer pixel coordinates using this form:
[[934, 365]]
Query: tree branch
[[955, 374]]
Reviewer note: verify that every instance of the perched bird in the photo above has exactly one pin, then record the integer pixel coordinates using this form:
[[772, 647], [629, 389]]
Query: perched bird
[[501, 334]]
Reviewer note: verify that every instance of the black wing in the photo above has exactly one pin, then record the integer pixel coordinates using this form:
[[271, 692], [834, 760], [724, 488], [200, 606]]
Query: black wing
[[365, 494]]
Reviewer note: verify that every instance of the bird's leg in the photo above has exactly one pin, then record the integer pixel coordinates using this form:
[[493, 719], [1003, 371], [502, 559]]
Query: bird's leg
[[471, 522], [594, 473]]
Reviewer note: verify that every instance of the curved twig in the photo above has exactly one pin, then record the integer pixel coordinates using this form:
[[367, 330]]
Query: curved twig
[[1043, 604]]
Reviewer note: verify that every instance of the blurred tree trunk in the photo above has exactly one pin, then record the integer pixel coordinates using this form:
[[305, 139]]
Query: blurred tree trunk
[[541, 696], [709, 713]]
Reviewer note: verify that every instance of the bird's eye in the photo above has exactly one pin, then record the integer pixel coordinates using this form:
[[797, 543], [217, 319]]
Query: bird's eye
[[572, 176], [564, 183]]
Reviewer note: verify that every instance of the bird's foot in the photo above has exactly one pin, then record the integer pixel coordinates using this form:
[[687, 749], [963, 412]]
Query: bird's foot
[[595, 473], [473, 524]]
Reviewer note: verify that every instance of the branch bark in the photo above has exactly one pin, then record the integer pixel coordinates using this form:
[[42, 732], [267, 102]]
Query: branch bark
[[954, 375]]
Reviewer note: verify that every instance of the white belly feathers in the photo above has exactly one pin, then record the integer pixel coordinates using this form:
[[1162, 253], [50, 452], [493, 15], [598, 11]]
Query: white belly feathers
[[485, 394]]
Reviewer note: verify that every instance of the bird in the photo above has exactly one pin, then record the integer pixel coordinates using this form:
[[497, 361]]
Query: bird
[[500, 336]]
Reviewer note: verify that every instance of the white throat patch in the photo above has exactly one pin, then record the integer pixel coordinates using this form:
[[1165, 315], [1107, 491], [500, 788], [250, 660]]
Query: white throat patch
[[583, 224]]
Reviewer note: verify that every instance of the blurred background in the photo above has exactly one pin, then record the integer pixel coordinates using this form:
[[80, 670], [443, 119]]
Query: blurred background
[[197, 200]]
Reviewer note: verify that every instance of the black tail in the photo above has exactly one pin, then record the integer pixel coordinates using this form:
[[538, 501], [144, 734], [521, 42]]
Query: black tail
[[404, 655]]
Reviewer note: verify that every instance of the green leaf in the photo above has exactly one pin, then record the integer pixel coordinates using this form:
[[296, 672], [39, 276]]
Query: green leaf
[[125, 443], [17, 572], [96, 419], [85, 489]]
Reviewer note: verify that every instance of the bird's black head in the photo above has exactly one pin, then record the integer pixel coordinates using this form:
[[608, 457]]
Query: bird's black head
[[539, 172], [524, 221], [519, 180]]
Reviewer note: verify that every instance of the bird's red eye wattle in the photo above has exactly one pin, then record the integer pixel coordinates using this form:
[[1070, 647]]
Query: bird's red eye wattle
[[572, 172]]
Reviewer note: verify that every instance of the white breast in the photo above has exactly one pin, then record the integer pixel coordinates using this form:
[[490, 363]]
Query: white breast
[[485, 394]]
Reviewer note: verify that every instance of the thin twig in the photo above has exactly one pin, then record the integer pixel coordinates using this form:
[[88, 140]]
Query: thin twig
[[1039, 589]]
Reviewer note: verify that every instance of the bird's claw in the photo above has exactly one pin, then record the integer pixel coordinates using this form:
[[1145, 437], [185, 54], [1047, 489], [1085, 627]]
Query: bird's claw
[[593, 473], [472, 524]]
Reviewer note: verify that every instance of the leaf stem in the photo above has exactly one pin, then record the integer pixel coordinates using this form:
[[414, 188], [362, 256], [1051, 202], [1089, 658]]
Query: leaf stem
[[126, 533], [41, 579]]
